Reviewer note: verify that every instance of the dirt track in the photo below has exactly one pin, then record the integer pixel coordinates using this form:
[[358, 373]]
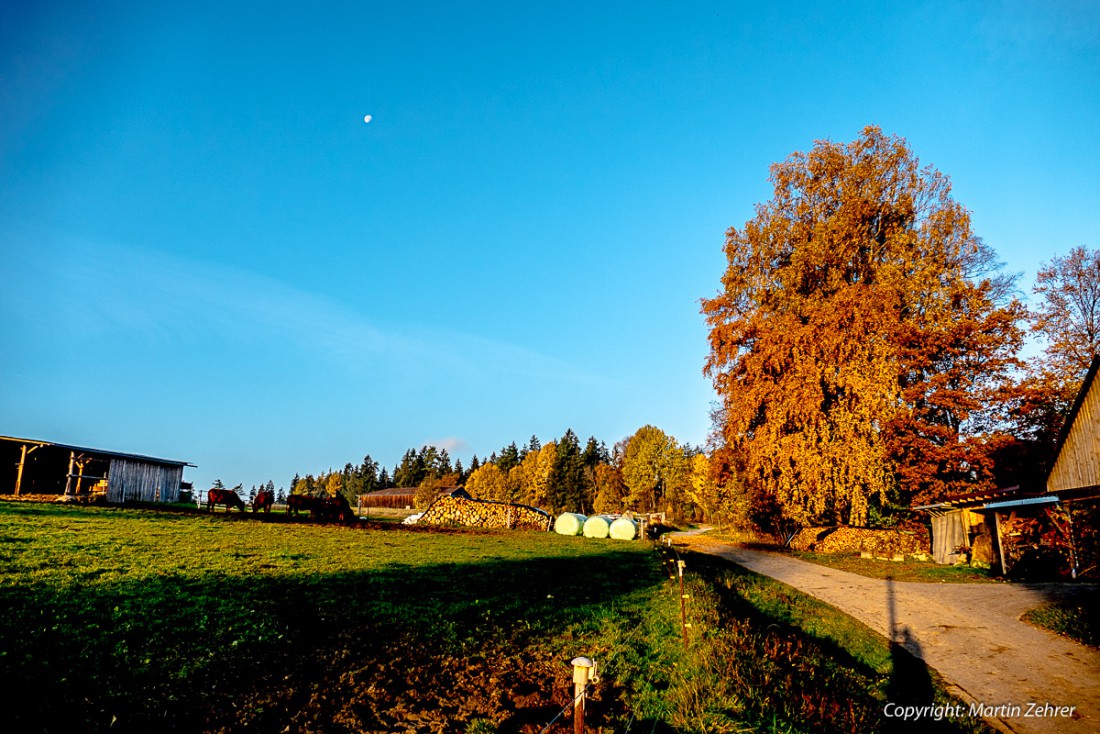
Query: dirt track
[[970, 633]]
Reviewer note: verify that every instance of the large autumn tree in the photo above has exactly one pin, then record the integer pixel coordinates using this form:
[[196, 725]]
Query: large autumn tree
[[861, 337]]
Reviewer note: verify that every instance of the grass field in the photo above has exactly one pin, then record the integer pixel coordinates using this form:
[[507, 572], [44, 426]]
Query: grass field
[[138, 621], [780, 660], [130, 620]]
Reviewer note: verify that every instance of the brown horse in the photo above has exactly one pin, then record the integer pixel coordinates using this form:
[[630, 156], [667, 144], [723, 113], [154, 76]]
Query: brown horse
[[296, 503], [227, 497], [263, 501], [323, 509], [334, 509]]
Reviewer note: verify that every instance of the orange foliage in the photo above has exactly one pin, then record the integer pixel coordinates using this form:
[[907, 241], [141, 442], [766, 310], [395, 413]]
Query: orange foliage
[[862, 336]]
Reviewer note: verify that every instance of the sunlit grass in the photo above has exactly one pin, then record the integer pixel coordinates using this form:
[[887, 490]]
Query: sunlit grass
[[117, 618], [908, 570], [766, 654]]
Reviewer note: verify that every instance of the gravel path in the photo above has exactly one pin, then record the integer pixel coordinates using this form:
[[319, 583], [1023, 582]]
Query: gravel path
[[970, 633]]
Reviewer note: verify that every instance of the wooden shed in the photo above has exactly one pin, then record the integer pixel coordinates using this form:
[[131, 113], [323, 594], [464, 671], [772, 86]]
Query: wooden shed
[[965, 524], [33, 467]]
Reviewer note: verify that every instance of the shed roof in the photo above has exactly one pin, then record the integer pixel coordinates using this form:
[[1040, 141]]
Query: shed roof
[[1002, 498], [100, 452]]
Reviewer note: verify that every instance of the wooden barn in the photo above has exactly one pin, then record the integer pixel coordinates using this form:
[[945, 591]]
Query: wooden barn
[[32, 467], [398, 497], [1075, 473], [401, 497]]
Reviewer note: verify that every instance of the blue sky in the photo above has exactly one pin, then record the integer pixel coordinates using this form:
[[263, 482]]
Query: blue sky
[[207, 254]]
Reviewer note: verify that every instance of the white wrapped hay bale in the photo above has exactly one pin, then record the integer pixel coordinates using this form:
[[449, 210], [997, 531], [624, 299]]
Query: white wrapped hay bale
[[569, 523], [597, 526], [623, 529]]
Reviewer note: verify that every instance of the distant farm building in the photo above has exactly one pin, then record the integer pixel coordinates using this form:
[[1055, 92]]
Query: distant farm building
[[401, 497], [32, 467]]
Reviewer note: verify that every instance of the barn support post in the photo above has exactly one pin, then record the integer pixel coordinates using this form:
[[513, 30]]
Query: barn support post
[[69, 479], [1072, 544], [80, 473], [22, 462], [19, 471], [1000, 541]]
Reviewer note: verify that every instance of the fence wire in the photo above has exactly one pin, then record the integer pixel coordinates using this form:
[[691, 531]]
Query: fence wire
[[673, 562], [564, 709]]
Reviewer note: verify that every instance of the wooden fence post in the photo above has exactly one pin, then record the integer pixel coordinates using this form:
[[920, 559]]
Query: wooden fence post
[[683, 609], [584, 670]]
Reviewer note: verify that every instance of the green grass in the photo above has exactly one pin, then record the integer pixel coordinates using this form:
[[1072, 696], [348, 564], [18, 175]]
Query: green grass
[[121, 620], [1077, 618], [928, 572], [768, 655], [136, 620], [385, 514], [908, 570]]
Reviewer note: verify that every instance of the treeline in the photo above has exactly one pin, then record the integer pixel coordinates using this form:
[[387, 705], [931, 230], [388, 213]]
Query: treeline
[[648, 471], [417, 467]]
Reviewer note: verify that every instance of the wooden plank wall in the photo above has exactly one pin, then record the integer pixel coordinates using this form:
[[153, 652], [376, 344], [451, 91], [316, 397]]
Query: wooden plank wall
[[948, 533], [1078, 463], [144, 482]]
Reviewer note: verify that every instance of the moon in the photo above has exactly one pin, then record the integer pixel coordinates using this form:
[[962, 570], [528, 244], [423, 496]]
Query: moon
[[367, 118]]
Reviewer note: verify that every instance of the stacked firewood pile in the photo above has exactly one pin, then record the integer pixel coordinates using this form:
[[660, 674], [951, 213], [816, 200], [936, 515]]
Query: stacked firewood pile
[[887, 544], [449, 510]]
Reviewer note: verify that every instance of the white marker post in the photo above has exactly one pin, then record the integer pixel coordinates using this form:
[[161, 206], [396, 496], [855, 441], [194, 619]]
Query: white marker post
[[584, 670]]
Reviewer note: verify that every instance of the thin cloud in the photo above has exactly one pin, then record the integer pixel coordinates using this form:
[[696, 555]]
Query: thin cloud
[[452, 445], [179, 302]]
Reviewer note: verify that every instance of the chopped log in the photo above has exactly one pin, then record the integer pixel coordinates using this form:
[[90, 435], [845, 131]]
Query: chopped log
[[450, 510]]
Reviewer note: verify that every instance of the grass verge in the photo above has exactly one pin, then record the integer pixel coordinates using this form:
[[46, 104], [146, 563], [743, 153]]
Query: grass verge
[[908, 570], [766, 658], [1077, 618], [928, 572]]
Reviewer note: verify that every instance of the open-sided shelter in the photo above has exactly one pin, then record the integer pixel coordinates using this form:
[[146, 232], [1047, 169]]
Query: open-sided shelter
[[961, 522], [29, 466]]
